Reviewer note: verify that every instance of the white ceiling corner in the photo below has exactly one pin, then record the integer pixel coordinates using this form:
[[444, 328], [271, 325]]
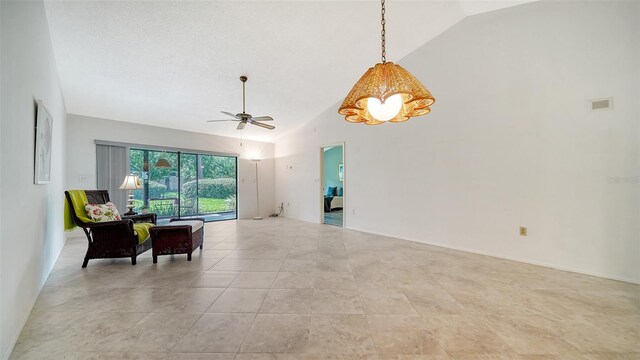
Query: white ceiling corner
[[176, 63]]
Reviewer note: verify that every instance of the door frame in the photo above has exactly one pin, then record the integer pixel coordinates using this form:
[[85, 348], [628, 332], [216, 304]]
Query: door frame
[[344, 182]]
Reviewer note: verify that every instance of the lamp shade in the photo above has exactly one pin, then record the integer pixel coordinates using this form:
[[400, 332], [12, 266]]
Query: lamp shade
[[163, 163], [380, 83], [131, 182]]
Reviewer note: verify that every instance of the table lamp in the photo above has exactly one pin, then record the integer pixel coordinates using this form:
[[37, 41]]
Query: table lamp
[[131, 182]]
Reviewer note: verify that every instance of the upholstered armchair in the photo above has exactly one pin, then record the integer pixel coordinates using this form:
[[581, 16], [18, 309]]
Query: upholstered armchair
[[128, 237]]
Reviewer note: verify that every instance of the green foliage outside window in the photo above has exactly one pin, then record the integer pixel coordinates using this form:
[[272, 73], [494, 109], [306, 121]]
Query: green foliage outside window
[[209, 188]]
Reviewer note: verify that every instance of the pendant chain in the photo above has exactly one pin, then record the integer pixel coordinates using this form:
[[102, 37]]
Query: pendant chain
[[383, 22]]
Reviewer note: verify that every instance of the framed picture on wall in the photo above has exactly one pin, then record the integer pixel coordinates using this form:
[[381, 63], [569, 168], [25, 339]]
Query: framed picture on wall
[[340, 172], [42, 161]]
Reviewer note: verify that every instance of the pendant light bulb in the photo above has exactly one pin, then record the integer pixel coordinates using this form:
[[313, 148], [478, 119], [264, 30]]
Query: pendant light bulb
[[387, 110]]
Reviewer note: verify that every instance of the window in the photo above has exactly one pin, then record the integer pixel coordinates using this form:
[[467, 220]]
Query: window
[[185, 184]]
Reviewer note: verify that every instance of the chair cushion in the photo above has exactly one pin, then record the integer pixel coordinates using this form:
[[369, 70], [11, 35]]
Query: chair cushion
[[195, 224], [102, 212]]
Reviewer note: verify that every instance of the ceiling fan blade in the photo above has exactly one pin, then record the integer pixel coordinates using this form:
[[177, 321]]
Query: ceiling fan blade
[[262, 118], [266, 126], [222, 120], [230, 114], [241, 125]]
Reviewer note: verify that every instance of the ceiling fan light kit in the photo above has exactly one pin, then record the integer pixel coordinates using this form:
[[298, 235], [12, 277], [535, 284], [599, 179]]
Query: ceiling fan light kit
[[386, 92], [243, 118]]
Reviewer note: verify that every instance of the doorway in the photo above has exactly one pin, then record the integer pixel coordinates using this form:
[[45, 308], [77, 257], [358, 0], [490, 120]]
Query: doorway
[[333, 180]]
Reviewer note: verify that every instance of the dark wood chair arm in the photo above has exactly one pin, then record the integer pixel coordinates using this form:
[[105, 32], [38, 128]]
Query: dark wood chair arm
[[142, 218]]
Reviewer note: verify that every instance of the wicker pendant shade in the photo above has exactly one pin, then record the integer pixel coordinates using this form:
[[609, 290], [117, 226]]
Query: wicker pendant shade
[[367, 101], [381, 82]]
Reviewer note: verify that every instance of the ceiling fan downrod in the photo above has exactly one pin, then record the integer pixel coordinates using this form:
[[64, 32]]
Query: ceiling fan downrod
[[244, 81]]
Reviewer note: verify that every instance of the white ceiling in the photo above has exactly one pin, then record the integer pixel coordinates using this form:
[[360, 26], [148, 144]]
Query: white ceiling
[[176, 63]]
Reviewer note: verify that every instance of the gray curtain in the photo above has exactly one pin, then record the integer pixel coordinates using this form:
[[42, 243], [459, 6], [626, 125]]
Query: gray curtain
[[112, 163]]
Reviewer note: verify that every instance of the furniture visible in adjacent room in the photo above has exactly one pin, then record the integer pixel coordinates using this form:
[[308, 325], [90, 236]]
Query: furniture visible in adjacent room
[[333, 200], [128, 237], [327, 203], [179, 237], [336, 203]]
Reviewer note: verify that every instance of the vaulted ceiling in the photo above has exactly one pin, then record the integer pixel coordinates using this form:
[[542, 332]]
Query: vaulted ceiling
[[176, 63]]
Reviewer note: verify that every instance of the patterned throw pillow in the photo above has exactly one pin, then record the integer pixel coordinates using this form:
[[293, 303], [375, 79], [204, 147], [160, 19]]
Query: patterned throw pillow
[[102, 212]]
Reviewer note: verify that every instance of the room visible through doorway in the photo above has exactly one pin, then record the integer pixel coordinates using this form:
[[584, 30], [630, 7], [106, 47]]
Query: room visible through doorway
[[333, 192]]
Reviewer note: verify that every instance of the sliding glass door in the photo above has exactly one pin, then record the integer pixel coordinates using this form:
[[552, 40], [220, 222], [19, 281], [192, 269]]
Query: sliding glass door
[[217, 185], [184, 184]]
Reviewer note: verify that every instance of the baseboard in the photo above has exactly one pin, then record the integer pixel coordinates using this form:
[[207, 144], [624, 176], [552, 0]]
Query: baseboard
[[505, 257]]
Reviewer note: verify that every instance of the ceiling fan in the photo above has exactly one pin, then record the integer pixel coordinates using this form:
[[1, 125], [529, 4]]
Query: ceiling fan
[[243, 118]]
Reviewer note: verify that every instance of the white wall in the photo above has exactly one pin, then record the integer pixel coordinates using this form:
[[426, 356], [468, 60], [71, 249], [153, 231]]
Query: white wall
[[82, 131], [510, 143], [1, 121], [31, 232]]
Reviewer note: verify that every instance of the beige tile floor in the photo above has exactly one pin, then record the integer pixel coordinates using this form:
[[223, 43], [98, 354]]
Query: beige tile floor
[[280, 289]]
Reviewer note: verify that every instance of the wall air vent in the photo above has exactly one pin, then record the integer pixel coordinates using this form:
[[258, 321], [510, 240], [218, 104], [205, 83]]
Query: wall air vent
[[601, 104]]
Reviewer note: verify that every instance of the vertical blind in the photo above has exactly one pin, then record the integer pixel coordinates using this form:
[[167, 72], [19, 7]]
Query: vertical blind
[[112, 165]]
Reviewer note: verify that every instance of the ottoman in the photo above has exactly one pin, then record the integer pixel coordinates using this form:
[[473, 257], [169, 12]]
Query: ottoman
[[178, 237]]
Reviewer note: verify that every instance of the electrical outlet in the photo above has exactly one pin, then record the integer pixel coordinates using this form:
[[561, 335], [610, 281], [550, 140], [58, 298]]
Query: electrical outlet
[[83, 178], [523, 231], [353, 211]]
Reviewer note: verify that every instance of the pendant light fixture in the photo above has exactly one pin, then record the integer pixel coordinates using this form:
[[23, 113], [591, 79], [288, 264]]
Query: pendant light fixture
[[163, 163], [386, 92]]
